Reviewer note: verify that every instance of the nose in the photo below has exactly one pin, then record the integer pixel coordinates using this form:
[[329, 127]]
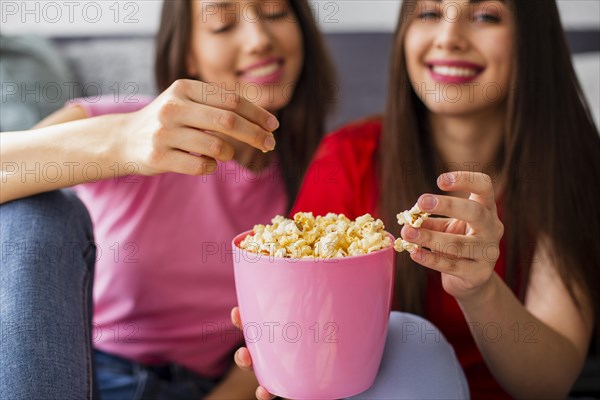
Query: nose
[[451, 36], [257, 38]]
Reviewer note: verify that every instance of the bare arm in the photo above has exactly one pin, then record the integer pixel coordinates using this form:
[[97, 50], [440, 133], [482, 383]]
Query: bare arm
[[172, 134], [63, 150], [534, 350]]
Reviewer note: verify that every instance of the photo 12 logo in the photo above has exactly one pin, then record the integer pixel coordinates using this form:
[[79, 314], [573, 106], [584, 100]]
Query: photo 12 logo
[[290, 332], [69, 12]]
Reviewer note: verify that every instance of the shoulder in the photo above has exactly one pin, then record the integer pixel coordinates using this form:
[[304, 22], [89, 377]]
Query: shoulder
[[340, 177]]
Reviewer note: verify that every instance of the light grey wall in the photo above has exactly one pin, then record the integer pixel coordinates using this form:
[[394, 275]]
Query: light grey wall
[[111, 17]]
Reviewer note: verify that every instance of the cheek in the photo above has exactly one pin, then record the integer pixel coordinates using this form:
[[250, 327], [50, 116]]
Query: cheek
[[414, 50], [214, 61], [500, 54], [506, 65], [290, 38]]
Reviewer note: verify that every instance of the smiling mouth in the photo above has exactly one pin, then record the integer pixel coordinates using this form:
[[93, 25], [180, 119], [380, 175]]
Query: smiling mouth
[[455, 72], [262, 71]]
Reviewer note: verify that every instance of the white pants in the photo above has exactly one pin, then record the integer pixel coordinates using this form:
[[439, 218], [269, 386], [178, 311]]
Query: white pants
[[418, 363]]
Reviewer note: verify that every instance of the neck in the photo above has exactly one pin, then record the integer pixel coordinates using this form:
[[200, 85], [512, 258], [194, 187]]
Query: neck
[[469, 143]]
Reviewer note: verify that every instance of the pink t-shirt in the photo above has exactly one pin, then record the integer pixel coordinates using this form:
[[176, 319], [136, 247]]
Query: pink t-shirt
[[164, 286]]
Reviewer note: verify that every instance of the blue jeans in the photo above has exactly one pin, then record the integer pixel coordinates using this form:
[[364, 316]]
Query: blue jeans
[[47, 256], [122, 379]]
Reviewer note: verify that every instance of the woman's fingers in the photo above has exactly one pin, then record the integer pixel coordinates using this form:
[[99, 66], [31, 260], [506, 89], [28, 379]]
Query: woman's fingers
[[242, 359], [235, 317], [177, 113], [448, 225], [225, 112], [263, 394], [455, 207], [452, 245], [211, 95], [459, 267], [198, 142], [479, 185], [201, 116], [183, 162]]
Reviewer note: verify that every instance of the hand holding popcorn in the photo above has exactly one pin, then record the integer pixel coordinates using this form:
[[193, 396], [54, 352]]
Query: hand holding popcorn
[[463, 247]]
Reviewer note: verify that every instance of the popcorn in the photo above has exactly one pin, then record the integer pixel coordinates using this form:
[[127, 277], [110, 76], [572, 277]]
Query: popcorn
[[415, 218], [329, 236], [400, 245]]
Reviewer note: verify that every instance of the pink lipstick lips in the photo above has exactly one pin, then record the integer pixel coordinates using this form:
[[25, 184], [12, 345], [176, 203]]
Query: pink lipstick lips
[[457, 72], [267, 71]]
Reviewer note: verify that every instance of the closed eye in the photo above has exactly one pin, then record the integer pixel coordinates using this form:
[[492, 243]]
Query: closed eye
[[274, 17], [223, 29], [487, 18], [429, 15]]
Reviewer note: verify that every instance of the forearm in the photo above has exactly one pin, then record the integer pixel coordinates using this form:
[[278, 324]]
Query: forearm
[[58, 156], [527, 357], [237, 384]]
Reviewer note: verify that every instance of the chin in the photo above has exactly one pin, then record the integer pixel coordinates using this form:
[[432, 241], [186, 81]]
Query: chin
[[273, 103], [455, 109]]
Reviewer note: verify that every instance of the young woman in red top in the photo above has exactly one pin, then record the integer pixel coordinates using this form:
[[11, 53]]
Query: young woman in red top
[[487, 128]]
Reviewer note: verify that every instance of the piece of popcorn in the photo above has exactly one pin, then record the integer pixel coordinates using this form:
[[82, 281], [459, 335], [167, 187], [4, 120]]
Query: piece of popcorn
[[281, 252], [413, 217], [400, 245]]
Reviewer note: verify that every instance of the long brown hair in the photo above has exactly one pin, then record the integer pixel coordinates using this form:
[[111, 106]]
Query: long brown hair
[[550, 159], [302, 120]]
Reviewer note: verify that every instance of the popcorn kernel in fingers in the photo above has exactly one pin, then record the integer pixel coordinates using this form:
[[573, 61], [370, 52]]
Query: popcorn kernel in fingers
[[413, 217], [400, 245]]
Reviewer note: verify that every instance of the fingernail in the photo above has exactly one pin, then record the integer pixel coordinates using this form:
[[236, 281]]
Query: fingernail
[[239, 359], [428, 202], [269, 142], [272, 123], [448, 178]]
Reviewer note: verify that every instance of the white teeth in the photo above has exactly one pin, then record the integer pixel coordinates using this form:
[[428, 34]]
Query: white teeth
[[263, 71], [454, 71]]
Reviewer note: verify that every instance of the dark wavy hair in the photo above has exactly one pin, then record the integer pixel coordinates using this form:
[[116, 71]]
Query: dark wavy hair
[[550, 159], [302, 120]]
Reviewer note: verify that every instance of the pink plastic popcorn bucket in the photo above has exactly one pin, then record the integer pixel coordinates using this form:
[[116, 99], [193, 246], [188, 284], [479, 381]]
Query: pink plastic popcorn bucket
[[315, 328]]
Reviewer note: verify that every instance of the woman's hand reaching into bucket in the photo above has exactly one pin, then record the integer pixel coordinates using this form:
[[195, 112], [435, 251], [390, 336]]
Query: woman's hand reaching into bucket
[[242, 357]]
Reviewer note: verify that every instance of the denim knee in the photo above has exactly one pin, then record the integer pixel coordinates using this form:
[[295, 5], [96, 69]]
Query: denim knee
[[47, 227], [47, 257]]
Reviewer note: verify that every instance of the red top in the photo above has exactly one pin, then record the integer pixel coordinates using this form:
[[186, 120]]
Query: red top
[[341, 179]]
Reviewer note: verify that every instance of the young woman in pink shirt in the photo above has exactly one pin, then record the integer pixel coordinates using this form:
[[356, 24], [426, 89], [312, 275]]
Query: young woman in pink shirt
[[168, 181]]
